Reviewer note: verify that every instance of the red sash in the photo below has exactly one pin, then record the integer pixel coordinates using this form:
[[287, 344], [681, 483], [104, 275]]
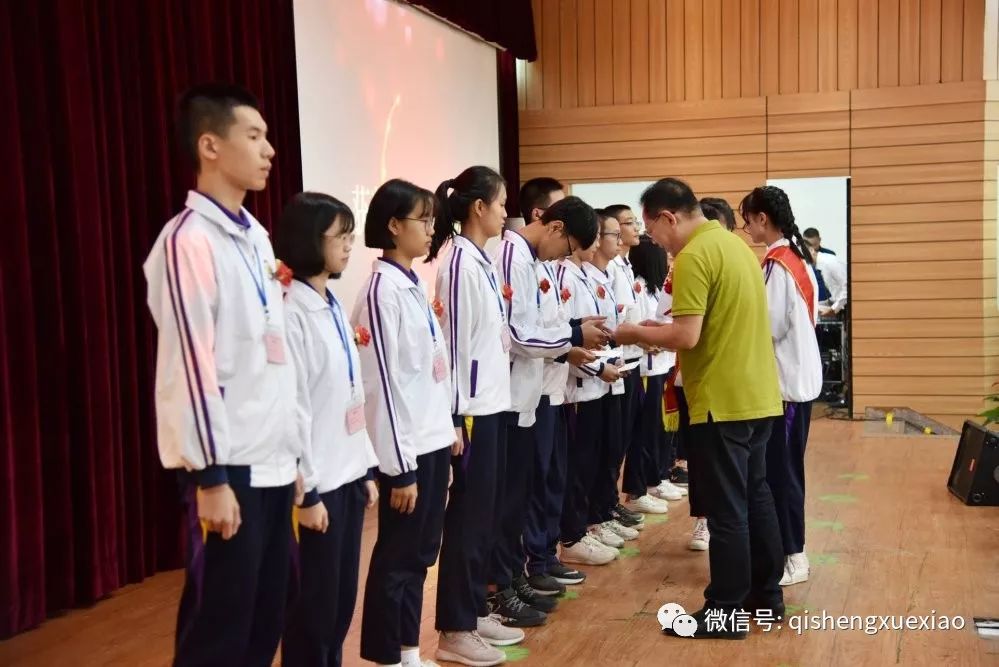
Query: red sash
[[787, 258]]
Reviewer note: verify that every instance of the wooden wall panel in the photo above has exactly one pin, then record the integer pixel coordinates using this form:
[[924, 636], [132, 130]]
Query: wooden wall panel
[[600, 52], [923, 165], [890, 92]]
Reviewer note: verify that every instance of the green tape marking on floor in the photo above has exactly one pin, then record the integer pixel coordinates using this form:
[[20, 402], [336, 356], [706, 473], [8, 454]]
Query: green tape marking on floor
[[856, 476], [655, 519], [792, 609], [834, 526], [515, 653], [628, 552], [838, 498], [570, 594], [823, 559]]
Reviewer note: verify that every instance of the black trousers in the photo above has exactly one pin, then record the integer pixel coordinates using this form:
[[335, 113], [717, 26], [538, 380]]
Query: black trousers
[[604, 496], [544, 511], [585, 427], [407, 545], [235, 591], [641, 467], [692, 452], [319, 617], [517, 470], [470, 525], [746, 556], [786, 473]]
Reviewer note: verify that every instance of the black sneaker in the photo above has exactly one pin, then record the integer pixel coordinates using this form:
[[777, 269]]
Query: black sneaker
[[727, 631], [621, 509], [532, 598], [679, 477], [513, 612], [628, 519], [564, 574], [545, 584]]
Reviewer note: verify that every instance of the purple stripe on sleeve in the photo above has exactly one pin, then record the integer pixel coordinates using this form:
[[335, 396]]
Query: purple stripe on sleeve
[[453, 316], [180, 317], [378, 338]]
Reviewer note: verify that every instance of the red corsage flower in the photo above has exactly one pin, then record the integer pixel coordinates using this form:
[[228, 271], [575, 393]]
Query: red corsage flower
[[362, 336], [507, 292], [282, 273], [438, 307], [545, 285], [638, 287], [601, 292], [566, 294], [620, 307]]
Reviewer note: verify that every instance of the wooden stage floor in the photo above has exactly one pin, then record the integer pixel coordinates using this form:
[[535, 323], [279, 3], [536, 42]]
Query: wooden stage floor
[[884, 537]]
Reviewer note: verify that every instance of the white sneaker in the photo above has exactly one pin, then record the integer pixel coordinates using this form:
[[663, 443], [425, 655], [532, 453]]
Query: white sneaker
[[670, 486], [494, 632], [796, 569], [622, 531], [468, 648], [648, 505], [606, 536], [614, 551], [700, 538], [664, 492], [588, 551]]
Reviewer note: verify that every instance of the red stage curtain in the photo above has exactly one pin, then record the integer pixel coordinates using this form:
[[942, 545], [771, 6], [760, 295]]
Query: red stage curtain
[[91, 173]]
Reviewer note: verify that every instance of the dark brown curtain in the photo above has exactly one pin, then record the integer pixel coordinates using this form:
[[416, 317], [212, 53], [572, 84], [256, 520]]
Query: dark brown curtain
[[509, 23], [90, 176]]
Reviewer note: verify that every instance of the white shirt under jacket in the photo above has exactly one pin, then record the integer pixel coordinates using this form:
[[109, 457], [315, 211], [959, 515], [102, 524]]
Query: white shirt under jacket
[[331, 456], [408, 413], [796, 346], [219, 402]]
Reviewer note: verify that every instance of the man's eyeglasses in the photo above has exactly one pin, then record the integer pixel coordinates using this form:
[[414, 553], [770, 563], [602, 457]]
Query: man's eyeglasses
[[614, 234]]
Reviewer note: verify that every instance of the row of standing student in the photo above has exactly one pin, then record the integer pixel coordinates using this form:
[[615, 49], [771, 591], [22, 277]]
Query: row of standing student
[[250, 397]]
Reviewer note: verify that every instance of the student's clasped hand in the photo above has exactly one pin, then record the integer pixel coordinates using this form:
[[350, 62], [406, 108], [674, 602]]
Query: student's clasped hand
[[595, 333], [403, 499], [314, 518], [218, 510]]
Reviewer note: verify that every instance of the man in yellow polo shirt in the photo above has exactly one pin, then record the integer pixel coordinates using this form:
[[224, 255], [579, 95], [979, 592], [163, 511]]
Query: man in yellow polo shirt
[[721, 329]]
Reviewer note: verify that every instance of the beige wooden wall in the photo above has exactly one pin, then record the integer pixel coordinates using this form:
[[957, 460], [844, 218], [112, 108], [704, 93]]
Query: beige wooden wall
[[910, 119]]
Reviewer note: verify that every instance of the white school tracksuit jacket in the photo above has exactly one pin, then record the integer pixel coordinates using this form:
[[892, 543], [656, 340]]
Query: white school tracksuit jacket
[[664, 314], [648, 303], [219, 401], [535, 338], [583, 382], [321, 343], [407, 400], [611, 307], [474, 323], [799, 366], [624, 290]]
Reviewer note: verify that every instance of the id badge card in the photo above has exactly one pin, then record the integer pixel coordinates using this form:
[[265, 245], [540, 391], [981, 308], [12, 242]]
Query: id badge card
[[505, 339], [355, 414], [440, 368], [274, 342]]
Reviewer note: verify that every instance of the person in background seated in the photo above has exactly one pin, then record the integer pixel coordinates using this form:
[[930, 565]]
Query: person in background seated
[[813, 240]]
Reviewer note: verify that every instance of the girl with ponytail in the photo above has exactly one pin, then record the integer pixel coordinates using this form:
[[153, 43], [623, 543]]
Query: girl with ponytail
[[792, 298], [470, 211]]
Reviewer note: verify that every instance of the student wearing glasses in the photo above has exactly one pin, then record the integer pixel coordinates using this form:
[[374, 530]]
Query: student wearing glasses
[[314, 240], [407, 405]]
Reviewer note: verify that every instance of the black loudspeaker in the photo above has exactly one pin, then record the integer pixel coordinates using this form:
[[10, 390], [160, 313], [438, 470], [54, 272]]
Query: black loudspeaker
[[974, 477]]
